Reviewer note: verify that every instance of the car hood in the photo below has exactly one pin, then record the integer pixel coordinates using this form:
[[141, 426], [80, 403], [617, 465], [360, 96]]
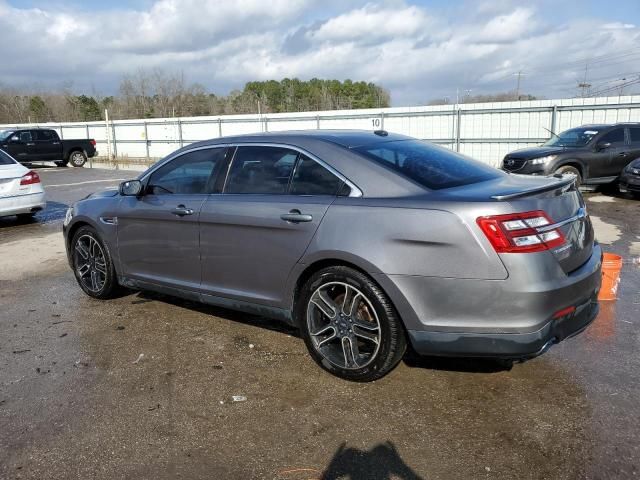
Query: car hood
[[537, 152], [109, 192]]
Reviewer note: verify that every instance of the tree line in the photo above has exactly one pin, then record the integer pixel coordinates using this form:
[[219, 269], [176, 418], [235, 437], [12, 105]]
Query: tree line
[[158, 94]]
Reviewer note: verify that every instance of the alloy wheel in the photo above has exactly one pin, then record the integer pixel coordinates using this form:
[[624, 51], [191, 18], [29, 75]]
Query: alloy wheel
[[90, 263], [343, 325]]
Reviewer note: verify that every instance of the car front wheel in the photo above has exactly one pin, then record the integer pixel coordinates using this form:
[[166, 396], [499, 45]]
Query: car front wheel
[[349, 325], [92, 264], [571, 170]]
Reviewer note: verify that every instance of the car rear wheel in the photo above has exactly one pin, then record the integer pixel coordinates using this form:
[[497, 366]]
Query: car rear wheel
[[349, 325], [571, 170], [92, 264], [77, 158]]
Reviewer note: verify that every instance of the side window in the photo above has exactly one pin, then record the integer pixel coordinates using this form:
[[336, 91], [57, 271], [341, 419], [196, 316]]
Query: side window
[[44, 135], [613, 137], [190, 174], [265, 170], [311, 178], [25, 137], [635, 135]]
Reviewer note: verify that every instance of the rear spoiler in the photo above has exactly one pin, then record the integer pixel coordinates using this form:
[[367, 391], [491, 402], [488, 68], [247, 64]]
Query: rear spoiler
[[564, 184]]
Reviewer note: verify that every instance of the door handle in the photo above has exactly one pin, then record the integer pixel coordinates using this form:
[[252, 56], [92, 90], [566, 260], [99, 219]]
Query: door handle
[[30, 144], [181, 211], [295, 216], [623, 154]]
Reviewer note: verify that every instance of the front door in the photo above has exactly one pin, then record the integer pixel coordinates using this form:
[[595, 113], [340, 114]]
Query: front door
[[21, 146], [158, 233], [253, 233]]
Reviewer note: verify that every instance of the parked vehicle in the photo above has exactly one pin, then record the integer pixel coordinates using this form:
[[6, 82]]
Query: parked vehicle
[[630, 179], [42, 144], [366, 241], [595, 154], [21, 191]]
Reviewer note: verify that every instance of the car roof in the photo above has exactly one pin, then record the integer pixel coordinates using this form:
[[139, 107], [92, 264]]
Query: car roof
[[344, 138], [602, 126]]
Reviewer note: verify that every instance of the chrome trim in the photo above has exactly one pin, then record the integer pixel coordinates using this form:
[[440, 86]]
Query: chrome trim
[[355, 191], [581, 213], [109, 220]]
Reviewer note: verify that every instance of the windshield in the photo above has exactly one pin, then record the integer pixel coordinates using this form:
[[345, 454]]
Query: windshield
[[429, 165], [4, 134], [576, 137]]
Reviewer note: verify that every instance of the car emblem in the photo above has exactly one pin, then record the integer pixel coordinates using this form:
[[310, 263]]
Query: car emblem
[[510, 162]]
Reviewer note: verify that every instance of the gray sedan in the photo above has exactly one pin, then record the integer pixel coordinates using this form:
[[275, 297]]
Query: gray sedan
[[366, 241]]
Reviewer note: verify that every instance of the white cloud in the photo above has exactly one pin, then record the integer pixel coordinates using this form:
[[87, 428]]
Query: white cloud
[[417, 53]]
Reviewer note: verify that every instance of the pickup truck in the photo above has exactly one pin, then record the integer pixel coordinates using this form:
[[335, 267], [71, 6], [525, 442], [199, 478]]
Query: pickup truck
[[42, 144]]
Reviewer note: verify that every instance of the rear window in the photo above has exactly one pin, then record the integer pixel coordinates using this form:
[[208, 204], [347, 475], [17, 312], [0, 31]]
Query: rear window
[[6, 159], [429, 165]]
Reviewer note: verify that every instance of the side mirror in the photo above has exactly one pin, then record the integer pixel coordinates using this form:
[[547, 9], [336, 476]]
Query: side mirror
[[15, 139], [131, 188], [602, 146]]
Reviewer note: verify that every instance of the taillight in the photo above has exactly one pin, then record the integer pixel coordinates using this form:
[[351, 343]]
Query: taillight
[[518, 232], [30, 178], [92, 142]]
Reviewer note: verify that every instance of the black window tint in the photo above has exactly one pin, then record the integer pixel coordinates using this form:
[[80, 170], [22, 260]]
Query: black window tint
[[635, 134], [261, 170], [189, 174], [311, 178], [45, 135], [6, 159], [25, 137], [429, 165], [614, 136]]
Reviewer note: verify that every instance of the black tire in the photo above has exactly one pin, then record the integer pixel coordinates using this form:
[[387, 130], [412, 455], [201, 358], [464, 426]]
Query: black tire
[[63, 163], [106, 285], [77, 158], [374, 359], [26, 217], [572, 171]]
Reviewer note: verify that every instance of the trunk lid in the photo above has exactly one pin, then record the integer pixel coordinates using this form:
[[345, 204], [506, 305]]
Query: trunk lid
[[10, 176], [559, 198]]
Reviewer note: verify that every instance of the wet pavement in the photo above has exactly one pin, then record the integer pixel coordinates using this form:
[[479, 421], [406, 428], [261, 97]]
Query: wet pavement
[[77, 399]]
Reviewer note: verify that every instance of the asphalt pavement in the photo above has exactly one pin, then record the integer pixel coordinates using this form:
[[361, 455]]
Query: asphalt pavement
[[143, 386]]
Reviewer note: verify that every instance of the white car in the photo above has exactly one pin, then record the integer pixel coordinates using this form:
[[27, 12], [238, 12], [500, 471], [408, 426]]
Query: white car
[[21, 192]]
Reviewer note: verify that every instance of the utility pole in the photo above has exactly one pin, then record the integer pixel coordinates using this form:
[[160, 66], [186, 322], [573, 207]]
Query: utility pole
[[519, 75], [584, 85]]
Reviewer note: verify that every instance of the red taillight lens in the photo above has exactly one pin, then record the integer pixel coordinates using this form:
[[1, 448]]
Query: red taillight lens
[[30, 178], [518, 232], [92, 142]]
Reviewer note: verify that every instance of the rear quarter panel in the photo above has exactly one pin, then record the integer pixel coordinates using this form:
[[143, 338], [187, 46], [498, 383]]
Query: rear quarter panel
[[403, 241]]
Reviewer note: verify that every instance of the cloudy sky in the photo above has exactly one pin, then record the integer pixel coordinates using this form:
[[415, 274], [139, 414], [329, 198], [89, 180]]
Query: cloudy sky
[[417, 49]]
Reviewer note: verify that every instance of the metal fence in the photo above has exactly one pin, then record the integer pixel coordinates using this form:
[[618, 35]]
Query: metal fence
[[484, 131]]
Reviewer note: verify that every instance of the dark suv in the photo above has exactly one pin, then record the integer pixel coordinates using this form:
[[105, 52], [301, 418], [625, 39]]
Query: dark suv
[[596, 154]]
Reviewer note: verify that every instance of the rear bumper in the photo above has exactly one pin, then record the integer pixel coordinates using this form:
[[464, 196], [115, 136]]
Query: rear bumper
[[496, 318], [29, 203], [505, 345]]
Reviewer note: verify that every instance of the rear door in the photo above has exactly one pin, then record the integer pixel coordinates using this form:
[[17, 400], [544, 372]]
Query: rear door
[[634, 144], [610, 158], [158, 233], [47, 145], [253, 234]]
